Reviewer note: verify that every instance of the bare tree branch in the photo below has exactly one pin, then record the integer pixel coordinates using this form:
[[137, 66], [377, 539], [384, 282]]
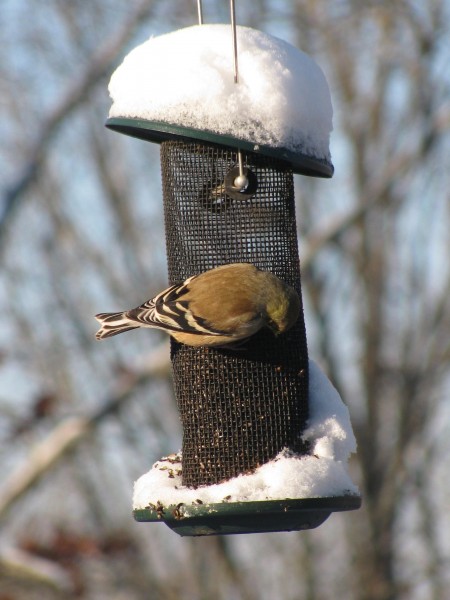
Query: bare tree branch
[[76, 93], [47, 453], [34, 570], [375, 192]]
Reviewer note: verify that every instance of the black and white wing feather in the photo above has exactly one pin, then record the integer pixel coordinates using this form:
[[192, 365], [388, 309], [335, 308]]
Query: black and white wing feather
[[168, 310]]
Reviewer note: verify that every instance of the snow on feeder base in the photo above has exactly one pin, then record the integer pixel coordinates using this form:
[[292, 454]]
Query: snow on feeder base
[[289, 493], [242, 410]]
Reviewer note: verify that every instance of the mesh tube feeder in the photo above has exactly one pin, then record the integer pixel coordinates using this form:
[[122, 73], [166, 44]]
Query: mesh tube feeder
[[241, 407]]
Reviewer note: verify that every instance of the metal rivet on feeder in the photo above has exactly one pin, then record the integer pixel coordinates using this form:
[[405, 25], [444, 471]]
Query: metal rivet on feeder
[[229, 198]]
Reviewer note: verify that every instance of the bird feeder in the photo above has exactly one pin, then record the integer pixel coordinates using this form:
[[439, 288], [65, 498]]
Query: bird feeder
[[229, 148]]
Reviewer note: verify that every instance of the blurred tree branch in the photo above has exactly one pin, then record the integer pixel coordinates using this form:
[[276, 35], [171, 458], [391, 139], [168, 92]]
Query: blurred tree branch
[[48, 452], [375, 191], [75, 94], [36, 571]]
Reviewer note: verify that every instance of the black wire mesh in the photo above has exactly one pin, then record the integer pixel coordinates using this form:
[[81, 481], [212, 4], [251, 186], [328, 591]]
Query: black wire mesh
[[239, 408]]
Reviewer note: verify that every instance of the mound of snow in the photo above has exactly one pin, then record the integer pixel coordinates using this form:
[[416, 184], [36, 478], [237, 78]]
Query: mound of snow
[[186, 78], [321, 474]]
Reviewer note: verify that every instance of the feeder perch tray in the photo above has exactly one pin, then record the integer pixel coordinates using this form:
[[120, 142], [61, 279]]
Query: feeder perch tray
[[247, 517]]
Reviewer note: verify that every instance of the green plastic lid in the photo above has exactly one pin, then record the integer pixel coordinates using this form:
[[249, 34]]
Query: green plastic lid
[[157, 131]]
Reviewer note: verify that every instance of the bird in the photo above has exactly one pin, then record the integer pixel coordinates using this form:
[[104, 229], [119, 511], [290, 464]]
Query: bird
[[220, 307]]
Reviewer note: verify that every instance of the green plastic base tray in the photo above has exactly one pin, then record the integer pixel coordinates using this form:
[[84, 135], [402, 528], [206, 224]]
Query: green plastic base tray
[[247, 517], [157, 131]]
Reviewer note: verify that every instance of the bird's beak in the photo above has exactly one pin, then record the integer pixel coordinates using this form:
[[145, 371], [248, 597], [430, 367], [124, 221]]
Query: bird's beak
[[273, 327]]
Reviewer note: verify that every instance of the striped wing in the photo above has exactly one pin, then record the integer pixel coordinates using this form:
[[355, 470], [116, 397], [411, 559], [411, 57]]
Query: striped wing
[[169, 311]]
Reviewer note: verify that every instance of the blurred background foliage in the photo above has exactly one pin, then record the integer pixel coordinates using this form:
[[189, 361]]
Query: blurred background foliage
[[81, 231]]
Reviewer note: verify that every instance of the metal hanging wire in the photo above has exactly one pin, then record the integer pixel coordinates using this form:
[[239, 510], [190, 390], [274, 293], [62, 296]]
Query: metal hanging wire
[[235, 52], [241, 182], [200, 12]]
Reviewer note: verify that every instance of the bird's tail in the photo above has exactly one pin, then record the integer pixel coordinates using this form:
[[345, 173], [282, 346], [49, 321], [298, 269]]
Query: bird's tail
[[112, 324]]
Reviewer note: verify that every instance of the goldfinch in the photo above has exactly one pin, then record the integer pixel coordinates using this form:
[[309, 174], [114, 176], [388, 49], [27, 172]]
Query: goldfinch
[[219, 307]]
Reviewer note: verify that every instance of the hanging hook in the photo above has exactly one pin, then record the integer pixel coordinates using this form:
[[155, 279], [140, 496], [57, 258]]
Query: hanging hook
[[241, 182]]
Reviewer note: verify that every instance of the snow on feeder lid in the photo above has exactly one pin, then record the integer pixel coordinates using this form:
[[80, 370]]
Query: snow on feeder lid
[[178, 86]]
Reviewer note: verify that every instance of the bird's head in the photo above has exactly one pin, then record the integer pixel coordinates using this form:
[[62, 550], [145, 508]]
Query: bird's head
[[283, 311]]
